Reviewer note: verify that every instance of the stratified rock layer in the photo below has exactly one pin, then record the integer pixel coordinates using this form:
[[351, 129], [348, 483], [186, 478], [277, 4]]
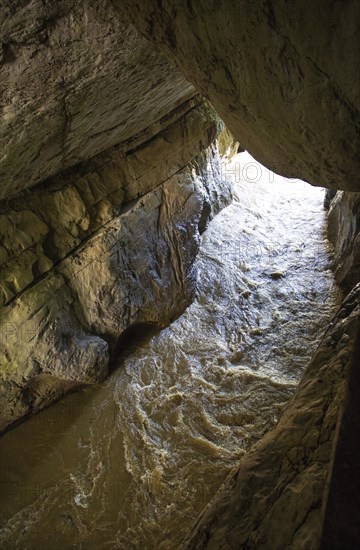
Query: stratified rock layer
[[282, 75], [75, 79], [274, 499], [41, 227], [104, 247]]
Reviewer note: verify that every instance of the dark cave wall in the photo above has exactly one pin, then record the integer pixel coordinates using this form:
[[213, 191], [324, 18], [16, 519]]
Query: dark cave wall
[[284, 76]]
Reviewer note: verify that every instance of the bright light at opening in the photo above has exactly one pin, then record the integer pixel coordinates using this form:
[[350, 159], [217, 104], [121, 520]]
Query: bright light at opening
[[244, 172]]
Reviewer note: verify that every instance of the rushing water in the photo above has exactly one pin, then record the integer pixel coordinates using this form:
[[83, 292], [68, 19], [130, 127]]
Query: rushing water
[[130, 464]]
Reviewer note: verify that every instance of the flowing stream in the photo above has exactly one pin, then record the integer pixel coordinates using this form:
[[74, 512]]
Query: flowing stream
[[131, 463]]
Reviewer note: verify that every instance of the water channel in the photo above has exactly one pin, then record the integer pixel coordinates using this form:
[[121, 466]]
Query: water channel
[[131, 463]]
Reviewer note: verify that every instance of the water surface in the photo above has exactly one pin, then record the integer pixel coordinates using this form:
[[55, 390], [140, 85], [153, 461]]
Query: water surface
[[131, 463]]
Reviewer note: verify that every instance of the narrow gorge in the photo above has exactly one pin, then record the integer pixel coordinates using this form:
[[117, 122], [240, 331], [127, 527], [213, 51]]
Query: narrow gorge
[[179, 324]]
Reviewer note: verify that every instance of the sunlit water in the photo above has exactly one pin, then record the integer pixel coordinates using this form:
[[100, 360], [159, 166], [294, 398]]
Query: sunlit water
[[130, 464]]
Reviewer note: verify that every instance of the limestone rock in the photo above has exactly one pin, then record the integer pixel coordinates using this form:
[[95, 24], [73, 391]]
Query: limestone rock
[[40, 227], [75, 79], [344, 232], [274, 499], [282, 75], [109, 173], [228, 146], [136, 267]]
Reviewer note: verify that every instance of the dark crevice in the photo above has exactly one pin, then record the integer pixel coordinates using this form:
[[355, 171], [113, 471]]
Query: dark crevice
[[133, 338]]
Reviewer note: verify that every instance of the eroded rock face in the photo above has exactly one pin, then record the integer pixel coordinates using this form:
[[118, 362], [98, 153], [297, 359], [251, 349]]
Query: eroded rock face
[[282, 75], [39, 228], [91, 247], [75, 79], [98, 249], [344, 233], [275, 498]]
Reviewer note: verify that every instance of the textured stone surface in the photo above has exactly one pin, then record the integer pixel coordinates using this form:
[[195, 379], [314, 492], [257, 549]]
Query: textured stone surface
[[284, 76], [102, 244], [75, 79], [274, 499], [344, 233], [41, 227], [136, 268], [228, 146]]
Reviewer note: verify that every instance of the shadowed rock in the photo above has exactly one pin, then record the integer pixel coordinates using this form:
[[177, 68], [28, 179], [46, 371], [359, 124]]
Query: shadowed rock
[[282, 75]]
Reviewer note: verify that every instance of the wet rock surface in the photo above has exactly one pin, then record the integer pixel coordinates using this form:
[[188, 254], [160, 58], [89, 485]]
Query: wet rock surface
[[275, 498], [344, 233], [84, 262], [41, 227]]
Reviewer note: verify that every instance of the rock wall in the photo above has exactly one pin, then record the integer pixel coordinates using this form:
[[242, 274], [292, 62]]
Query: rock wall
[[282, 75], [75, 79], [98, 249], [39, 228], [344, 233], [277, 496], [100, 211]]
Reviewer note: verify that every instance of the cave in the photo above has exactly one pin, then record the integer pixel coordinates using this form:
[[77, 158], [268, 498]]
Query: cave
[[179, 282]]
